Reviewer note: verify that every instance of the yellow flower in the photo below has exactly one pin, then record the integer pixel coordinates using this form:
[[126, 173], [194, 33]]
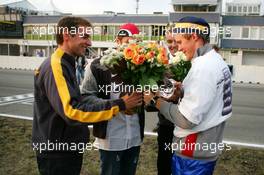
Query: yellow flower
[[162, 59], [152, 45], [150, 54], [128, 53], [162, 50], [133, 45], [139, 59]]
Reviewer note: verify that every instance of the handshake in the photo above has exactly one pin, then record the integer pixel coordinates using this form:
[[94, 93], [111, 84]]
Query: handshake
[[149, 98]]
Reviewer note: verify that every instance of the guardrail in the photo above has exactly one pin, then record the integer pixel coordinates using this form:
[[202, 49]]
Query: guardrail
[[248, 74], [241, 74], [20, 62]]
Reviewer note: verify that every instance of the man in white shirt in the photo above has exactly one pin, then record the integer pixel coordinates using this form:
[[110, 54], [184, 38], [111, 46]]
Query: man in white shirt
[[200, 115], [119, 139]]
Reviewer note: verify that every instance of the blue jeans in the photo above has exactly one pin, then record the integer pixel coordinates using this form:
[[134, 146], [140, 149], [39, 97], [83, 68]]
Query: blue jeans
[[119, 162], [185, 166]]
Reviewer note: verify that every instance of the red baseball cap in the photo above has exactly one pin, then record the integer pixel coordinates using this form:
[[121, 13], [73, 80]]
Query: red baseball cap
[[128, 29]]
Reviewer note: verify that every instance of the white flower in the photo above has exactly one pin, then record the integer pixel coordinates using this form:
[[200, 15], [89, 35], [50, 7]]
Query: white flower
[[111, 57], [132, 41], [108, 51], [177, 58], [138, 37]]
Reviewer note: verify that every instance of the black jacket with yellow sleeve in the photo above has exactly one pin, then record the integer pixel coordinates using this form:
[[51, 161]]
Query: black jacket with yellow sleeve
[[60, 113]]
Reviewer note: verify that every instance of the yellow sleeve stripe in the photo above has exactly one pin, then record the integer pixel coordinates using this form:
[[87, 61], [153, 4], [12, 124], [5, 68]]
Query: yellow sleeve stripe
[[62, 88]]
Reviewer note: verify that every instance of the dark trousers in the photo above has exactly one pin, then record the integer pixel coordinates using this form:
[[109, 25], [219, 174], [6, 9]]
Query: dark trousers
[[119, 162], [60, 164], [165, 136]]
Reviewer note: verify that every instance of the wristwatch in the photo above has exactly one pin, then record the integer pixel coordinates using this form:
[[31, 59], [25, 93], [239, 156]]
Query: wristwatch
[[153, 101]]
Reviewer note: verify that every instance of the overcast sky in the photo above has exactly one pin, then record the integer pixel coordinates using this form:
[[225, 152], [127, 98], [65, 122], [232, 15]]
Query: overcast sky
[[98, 6]]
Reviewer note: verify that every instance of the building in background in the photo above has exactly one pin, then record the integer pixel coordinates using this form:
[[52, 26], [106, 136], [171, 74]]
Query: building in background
[[38, 29], [210, 10], [11, 24], [244, 46], [237, 27], [238, 31]]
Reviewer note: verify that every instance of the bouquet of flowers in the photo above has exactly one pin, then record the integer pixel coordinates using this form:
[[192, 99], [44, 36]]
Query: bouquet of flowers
[[178, 70], [145, 63], [179, 66], [111, 58]]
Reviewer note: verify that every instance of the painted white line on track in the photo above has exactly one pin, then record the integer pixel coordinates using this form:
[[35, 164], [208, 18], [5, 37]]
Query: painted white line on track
[[16, 97], [16, 116], [16, 101], [27, 103], [252, 145]]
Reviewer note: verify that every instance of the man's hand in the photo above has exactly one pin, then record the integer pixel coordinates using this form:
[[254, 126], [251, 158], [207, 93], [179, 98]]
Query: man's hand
[[130, 111], [177, 93], [147, 97], [133, 100], [178, 85]]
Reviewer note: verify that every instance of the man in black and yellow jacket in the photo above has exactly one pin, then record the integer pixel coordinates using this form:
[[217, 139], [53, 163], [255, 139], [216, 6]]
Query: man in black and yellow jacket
[[60, 132]]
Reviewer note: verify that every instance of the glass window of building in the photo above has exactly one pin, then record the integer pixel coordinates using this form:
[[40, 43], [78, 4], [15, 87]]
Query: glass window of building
[[28, 30], [212, 8], [245, 32], [177, 8], [239, 9], [227, 35], [111, 32], [97, 32], [229, 9], [227, 31], [261, 33], [146, 32], [2, 17], [255, 9], [245, 9], [117, 29], [104, 32], [235, 9], [235, 32], [155, 30], [254, 33], [141, 28], [250, 9]]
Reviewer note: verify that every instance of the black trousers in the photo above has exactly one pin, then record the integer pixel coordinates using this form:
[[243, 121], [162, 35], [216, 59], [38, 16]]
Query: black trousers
[[165, 136], [60, 163]]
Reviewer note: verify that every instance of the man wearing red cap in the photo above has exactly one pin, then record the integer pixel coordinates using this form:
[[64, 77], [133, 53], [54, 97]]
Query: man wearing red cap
[[126, 32], [119, 139]]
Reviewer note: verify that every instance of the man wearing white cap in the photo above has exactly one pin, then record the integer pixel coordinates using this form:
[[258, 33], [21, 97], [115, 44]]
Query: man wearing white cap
[[119, 139]]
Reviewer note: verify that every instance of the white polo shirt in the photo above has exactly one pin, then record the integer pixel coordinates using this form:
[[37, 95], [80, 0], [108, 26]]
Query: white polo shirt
[[207, 94], [123, 131]]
